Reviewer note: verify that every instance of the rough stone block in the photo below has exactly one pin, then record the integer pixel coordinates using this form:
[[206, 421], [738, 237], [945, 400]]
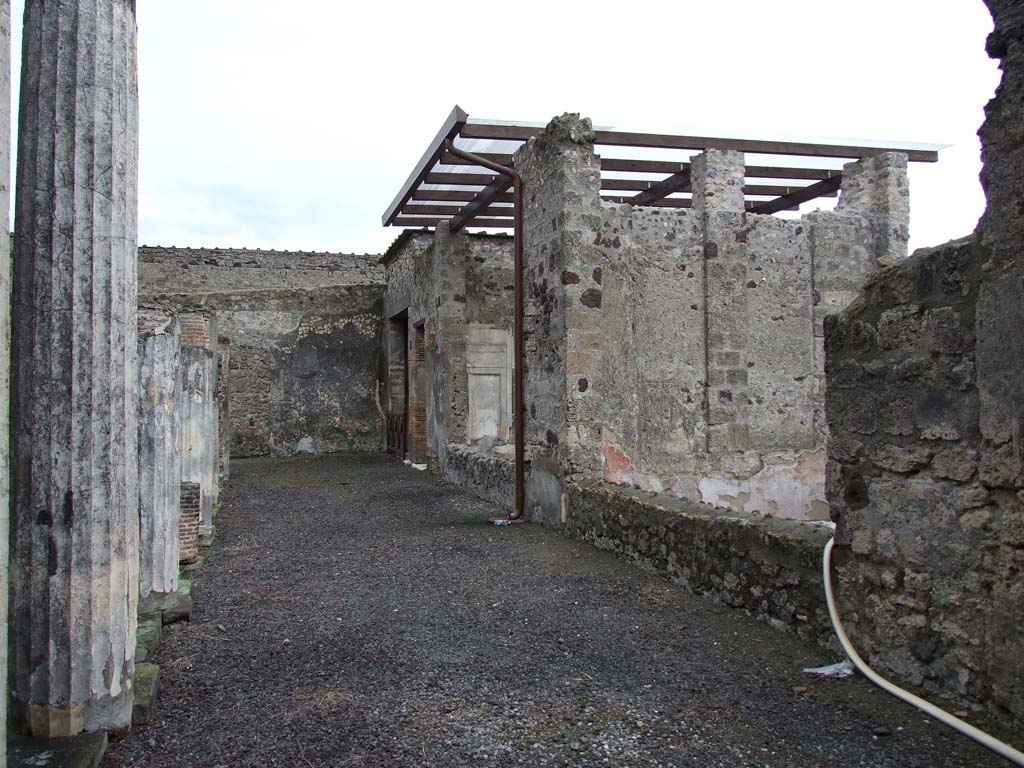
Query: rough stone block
[[147, 638], [898, 458], [177, 606], [147, 688], [958, 464], [195, 566]]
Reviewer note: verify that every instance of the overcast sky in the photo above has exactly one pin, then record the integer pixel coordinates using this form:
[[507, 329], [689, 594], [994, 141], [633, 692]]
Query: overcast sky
[[293, 125]]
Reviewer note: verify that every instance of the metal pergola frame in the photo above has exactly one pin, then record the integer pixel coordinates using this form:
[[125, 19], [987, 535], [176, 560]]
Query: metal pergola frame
[[484, 199]]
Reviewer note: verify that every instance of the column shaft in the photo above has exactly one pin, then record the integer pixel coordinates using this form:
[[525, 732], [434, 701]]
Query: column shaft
[[74, 484], [159, 455], [5, 347]]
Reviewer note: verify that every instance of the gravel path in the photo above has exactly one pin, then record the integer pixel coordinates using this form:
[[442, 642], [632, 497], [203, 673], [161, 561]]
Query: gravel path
[[356, 612]]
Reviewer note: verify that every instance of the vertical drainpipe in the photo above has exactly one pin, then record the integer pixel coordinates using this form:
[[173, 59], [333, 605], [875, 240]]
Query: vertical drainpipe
[[518, 403]]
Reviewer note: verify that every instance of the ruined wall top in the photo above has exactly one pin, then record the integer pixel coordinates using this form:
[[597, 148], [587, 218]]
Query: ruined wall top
[[1002, 137], [220, 270]]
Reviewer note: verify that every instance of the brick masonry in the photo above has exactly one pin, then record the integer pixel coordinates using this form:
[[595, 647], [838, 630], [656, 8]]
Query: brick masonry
[[189, 526]]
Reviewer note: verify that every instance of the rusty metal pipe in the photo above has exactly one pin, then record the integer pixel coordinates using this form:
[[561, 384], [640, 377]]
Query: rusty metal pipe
[[518, 398]]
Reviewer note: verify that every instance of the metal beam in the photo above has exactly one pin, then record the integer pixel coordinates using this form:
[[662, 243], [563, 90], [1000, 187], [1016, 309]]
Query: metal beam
[[778, 172], [460, 179], [750, 172], [441, 195], [668, 141], [483, 200], [685, 202], [454, 211], [801, 195], [424, 221], [677, 182], [450, 129], [447, 158]]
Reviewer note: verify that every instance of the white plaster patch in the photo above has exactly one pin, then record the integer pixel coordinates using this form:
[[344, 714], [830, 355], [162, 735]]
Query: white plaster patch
[[786, 487]]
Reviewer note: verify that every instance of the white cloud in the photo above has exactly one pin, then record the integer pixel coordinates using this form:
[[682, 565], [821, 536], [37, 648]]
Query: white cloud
[[293, 125]]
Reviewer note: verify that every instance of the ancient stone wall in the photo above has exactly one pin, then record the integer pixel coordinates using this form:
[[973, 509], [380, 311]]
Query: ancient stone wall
[[222, 270], [926, 469], [487, 474], [561, 216], [767, 566], [680, 349], [305, 337], [448, 297]]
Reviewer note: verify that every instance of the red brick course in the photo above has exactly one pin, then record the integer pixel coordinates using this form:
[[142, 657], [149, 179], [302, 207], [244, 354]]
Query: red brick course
[[188, 528]]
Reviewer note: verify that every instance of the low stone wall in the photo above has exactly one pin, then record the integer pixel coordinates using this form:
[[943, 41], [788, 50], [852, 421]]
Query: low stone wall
[[926, 476], [768, 566], [489, 475]]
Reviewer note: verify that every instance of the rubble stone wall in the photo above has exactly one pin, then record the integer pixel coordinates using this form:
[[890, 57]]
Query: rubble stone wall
[[769, 567], [680, 350], [447, 285], [926, 412], [305, 329], [489, 475], [221, 270]]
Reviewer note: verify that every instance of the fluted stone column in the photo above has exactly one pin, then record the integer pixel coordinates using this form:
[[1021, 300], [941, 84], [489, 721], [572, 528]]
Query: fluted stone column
[[159, 458], [5, 347], [200, 443], [74, 482]]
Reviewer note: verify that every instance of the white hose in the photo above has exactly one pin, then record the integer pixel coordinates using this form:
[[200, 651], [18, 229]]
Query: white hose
[[999, 747]]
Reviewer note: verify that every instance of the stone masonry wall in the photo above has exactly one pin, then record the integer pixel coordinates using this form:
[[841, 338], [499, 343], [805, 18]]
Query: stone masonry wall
[[222, 270], [769, 567], [562, 213], [929, 528], [680, 349], [926, 468], [443, 284], [305, 329], [488, 475]]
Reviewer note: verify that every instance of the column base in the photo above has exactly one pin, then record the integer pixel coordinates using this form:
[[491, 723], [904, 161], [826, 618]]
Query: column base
[[172, 606], [206, 535], [44, 721]]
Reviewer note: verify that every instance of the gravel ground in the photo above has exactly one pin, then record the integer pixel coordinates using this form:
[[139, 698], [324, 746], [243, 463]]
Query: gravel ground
[[356, 612]]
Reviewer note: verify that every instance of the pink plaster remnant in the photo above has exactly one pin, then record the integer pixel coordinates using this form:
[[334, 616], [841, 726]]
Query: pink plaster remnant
[[617, 466]]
